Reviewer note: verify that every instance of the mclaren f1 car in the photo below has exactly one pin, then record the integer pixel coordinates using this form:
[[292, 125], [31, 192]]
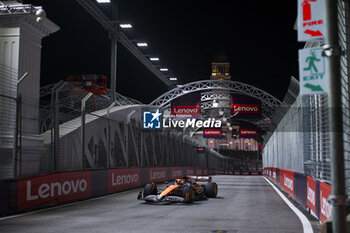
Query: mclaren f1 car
[[186, 189]]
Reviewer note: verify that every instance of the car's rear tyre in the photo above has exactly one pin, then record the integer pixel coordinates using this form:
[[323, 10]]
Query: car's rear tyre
[[150, 189], [188, 193], [211, 189]]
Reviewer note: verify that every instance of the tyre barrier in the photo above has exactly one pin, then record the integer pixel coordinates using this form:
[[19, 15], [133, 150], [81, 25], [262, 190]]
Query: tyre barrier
[[63, 187], [311, 194]]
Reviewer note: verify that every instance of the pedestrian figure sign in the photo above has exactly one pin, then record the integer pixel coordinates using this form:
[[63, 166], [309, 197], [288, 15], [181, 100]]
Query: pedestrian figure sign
[[312, 69], [311, 20]]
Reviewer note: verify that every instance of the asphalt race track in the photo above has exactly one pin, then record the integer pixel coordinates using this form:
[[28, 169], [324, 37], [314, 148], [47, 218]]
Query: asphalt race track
[[244, 204]]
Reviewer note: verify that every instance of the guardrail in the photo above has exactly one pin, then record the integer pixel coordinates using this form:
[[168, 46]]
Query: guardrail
[[311, 194]]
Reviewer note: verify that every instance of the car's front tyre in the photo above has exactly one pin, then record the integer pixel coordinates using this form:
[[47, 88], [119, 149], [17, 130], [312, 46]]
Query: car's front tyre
[[188, 194], [150, 189]]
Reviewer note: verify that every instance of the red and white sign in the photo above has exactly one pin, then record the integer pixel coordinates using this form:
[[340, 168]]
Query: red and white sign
[[246, 108], [311, 20], [176, 172], [311, 194], [205, 171], [56, 188], [236, 172], [212, 132], [287, 181], [248, 132], [123, 179], [189, 171], [274, 174], [325, 206], [199, 172], [186, 110], [157, 174]]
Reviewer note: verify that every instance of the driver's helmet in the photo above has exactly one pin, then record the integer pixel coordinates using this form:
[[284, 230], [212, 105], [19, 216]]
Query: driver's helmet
[[180, 182]]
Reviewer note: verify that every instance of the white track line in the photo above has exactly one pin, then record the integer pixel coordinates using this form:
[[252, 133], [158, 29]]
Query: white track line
[[64, 205], [307, 228]]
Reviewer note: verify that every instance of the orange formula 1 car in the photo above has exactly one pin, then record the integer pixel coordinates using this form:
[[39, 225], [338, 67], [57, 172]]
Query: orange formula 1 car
[[185, 189]]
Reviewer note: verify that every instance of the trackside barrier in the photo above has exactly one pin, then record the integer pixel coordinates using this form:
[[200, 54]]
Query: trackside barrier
[[311, 194], [63, 187], [237, 173]]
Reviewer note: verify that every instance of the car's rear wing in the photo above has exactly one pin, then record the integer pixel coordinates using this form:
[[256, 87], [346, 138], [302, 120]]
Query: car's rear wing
[[200, 178]]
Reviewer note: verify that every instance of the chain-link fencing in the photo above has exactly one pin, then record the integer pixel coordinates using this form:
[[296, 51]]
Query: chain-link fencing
[[305, 145]]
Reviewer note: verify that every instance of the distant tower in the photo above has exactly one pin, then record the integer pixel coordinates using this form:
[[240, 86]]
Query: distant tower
[[216, 103], [220, 68], [22, 28]]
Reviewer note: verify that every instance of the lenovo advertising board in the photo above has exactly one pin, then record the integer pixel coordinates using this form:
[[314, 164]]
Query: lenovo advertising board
[[212, 133], [157, 174], [287, 181], [325, 206], [311, 194], [56, 188], [187, 105], [245, 107], [176, 172], [190, 171], [248, 133], [123, 179]]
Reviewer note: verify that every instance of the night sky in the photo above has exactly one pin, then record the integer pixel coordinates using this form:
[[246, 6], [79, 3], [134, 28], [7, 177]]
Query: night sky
[[258, 38]]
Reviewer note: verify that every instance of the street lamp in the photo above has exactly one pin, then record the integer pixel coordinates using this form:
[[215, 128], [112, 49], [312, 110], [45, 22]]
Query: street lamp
[[215, 104], [154, 59], [125, 25], [103, 1], [142, 44], [173, 79], [163, 69]]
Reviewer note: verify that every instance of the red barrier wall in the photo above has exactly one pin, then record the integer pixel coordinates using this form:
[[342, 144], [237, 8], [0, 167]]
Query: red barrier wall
[[176, 172], [325, 207], [311, 194], [157, 174], [189, 171], [316, 193], [76, 185], [274, 174], [123, 179], [287, 181], [56, 188]]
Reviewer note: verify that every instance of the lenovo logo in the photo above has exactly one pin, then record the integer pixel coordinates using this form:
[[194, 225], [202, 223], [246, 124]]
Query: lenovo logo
[[124, 179], [212, 132], [52, 189], [246, 108], [177, 173], [248, 132], [311, 196], [288, 183], [326, 208], [186, 110], [158, 175]]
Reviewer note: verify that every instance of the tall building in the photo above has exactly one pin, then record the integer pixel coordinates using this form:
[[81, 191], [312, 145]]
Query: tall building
[[220, 68]]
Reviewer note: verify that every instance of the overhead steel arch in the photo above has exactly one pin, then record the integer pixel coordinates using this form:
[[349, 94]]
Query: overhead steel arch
[[269, 102]]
